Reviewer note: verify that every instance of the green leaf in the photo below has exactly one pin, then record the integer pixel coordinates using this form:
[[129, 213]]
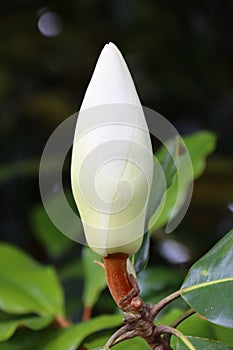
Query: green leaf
[[9, 324], [201, 344], [60, 339], [71, 270], [27, 286], [223, 334], [132, 344], [154, 280], [196, 326], [199, 146], [142, 256], [94, 277], [55, 243], [208, 286], [72, 337], [163, 172], [26, 167], [28, 340], [182, 342], [96, 343]]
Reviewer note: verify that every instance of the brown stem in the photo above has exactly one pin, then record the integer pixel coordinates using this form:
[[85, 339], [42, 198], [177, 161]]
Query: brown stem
[[156, 341], [162, 303], [163, 329], [113, 339], [183, 317], [62, 322], [87, 313], [125, 336], [141, 324], [180, 319], [118, 281], [139, 318]]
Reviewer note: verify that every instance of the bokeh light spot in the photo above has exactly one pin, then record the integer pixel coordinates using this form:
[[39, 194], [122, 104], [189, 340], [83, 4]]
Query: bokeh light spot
[[50, 24], [174, 252]]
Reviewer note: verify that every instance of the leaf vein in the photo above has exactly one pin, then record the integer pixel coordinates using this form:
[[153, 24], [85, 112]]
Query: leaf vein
[[206, 284]]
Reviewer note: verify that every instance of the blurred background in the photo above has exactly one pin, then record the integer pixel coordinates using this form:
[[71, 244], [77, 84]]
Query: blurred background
[[180, 56]]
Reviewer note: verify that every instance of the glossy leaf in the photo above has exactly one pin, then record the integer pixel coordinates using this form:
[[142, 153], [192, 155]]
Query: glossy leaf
[[201, 344], [223, 334], [60, 339], [55, 243], [199, 145], [27, 286], [164, 169], [142, 256], [208, 287], [196, 326], [71, 270], [71, 338], [154, 280], [9, 324], [132, 344], [94, 277]]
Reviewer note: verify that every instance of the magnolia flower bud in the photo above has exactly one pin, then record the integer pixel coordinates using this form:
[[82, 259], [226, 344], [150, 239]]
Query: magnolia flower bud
[[112, 160]]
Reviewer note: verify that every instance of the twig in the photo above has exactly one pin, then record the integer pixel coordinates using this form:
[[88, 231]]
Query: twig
[[127, 335], [141, 324], [87, 313], [111, 341], [139, 318], [183, 317], [162, 303], [62, 322], [163, 329], [180, 319]]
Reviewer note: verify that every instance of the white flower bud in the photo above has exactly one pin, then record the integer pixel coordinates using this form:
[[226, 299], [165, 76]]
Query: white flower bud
[[112, 160]]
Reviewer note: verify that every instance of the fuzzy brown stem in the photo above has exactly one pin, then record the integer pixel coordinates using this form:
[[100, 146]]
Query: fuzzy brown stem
[[118, 281]]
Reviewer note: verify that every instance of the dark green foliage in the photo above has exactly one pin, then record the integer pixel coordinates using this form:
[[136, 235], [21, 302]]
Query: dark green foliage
[[180, 55]]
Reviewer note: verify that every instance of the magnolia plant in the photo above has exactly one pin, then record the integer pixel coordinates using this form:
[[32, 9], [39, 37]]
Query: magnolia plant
[[111, 173], [111, 130], [117, 187]]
